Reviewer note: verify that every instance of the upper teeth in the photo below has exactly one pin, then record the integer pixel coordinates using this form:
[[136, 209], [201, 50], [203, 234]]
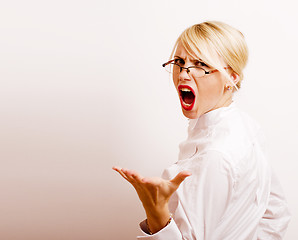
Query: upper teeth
[[185, 89]]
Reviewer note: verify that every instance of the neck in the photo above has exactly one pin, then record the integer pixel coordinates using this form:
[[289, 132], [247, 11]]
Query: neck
[[225, 101]]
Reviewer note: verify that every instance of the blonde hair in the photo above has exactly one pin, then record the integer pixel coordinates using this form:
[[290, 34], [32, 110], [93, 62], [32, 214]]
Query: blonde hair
[[209, 40]]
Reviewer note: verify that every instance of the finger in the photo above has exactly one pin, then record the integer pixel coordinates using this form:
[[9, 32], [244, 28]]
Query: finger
[[131, 175], [120, 171], [180, 177], [137, 176]]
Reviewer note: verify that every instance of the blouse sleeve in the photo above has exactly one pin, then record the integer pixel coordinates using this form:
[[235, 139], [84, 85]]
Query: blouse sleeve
[[171, 231]]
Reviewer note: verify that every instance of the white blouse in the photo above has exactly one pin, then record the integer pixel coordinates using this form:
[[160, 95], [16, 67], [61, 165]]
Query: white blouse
[[232, 193]]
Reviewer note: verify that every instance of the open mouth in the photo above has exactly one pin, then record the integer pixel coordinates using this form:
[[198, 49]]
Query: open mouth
[[187, 97]]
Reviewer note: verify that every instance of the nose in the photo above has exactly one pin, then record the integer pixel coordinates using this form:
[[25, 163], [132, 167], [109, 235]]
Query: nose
[[184, 74]]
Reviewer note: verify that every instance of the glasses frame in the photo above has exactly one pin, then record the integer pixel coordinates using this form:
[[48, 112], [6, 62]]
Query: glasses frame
[[188, 68]]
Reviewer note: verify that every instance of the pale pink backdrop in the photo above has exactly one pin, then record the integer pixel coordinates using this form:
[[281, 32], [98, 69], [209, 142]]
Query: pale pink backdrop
[[82, 89]]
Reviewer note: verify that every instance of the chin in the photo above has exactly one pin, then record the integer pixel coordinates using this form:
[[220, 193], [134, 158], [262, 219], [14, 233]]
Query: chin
[[191, 114]]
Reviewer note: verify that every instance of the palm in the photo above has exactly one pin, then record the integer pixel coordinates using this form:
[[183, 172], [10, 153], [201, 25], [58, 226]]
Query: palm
[[154, 191]]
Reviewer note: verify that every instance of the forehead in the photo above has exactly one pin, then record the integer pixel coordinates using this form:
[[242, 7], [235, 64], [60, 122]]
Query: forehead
[[183, 53]]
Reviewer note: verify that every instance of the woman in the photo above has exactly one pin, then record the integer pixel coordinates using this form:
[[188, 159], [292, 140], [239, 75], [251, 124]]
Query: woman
[[222, 186]]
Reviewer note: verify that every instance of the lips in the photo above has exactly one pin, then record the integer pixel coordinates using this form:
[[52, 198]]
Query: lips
[[187, 97]]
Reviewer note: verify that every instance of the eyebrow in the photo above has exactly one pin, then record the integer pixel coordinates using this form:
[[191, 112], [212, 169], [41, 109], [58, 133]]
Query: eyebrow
[[192, 60], [177, 56]]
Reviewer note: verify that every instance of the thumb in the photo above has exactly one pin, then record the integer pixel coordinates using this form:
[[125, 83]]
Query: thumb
[[180, 178]]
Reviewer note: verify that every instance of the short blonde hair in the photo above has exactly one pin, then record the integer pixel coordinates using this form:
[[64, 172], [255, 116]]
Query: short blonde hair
[[209, 40]]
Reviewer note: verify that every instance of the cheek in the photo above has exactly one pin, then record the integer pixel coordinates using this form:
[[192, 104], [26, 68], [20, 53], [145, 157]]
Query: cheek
[[210, 88], [175, 81]]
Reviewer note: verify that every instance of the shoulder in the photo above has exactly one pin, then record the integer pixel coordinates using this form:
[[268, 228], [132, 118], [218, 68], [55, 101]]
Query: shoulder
[[236, 136]]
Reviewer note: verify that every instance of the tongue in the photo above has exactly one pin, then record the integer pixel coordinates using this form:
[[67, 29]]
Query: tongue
[[188, 98]]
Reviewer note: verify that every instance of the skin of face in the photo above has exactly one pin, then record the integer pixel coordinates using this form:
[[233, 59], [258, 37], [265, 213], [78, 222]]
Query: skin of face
[[210, 90]]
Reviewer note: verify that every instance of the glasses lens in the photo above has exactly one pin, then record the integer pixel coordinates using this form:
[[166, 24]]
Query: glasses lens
[[169, 68], [197, 72]]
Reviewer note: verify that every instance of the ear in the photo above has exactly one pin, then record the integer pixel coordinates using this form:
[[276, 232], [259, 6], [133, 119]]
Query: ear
[[234, 77]]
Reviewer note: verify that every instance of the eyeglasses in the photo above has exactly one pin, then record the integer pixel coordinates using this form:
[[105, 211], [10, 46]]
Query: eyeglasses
[[173, 67]]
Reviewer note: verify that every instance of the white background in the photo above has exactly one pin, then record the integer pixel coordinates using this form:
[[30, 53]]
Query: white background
[[82, 89]]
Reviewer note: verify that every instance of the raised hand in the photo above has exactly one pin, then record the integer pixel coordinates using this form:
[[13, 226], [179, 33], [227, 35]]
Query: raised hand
[[154, 193]]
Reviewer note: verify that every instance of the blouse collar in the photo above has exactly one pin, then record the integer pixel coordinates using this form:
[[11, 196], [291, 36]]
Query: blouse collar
[[200, 130]]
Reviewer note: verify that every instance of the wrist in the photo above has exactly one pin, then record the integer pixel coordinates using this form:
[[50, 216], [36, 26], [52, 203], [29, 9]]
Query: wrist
[[158, 220]]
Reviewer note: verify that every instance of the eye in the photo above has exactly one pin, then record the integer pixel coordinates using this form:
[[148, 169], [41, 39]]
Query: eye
[[179, 61], [200, 64]]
